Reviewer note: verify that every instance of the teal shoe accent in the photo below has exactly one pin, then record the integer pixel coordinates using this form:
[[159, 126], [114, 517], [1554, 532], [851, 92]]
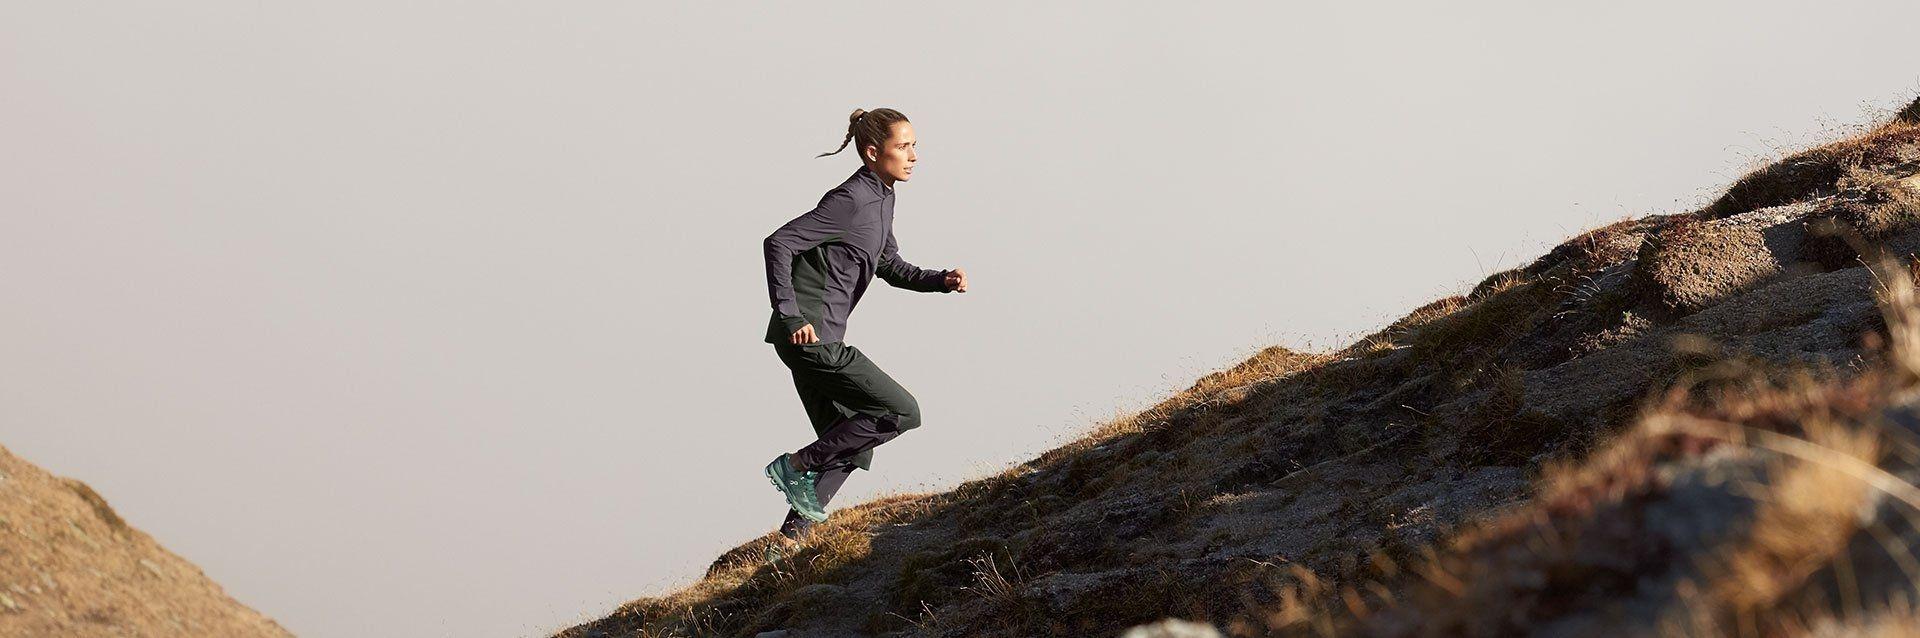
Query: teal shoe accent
[[798, 488], [774, 553]]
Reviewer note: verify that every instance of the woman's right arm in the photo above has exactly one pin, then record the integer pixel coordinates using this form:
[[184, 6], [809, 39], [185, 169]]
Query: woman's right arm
[[828, 220]]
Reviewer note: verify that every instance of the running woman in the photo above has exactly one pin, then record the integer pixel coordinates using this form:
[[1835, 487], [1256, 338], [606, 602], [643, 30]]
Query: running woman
[[818, 267]]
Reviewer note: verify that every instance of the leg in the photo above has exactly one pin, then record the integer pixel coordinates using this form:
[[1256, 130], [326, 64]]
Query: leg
[[831, 479], [829, 483], [881, 408], [848, 438], [824, 413]]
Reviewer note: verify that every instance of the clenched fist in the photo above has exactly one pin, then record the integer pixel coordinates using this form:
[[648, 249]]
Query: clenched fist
[[957, 280]]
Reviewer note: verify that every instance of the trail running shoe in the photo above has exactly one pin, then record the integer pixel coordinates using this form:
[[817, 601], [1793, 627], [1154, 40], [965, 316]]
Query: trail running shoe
[[797, 486], [779, 550]]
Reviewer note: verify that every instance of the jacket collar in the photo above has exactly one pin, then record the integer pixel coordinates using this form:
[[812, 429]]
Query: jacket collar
[[873, 180]]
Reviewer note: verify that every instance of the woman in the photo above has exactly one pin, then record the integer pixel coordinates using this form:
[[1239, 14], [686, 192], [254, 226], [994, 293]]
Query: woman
[[818, 267]]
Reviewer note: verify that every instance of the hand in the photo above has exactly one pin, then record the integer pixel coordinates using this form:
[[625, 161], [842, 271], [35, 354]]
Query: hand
[[957, 280], [803, 335]]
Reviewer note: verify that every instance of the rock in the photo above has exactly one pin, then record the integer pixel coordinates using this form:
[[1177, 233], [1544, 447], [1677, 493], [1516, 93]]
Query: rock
[[1695, 264], [1871, 207], [1172, 628], [818, 592]]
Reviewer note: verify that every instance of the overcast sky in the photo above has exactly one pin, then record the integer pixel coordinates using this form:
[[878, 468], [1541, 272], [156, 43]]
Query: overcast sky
[[444, 319]]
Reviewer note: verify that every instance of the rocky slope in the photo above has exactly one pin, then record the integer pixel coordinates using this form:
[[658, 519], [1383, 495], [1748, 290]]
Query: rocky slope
[[69, 566], [1694, 424]]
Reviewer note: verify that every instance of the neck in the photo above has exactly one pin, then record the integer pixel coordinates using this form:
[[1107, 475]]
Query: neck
[[883, 177]]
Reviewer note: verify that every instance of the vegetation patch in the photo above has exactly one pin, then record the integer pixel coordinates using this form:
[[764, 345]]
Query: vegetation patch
[[1501, 429], [935, 577], [1814, 172], [1461, 343], [1870, 208]]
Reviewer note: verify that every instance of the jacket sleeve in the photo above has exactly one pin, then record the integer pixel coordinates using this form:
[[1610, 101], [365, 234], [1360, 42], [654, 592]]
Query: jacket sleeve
[[901, 274], [828, 220]]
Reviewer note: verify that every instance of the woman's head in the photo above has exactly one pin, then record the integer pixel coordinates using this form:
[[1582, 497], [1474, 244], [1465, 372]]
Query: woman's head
[[884, 140]]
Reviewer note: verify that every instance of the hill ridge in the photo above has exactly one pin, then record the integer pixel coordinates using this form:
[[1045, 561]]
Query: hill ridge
[[71, 566], [1551, 452]]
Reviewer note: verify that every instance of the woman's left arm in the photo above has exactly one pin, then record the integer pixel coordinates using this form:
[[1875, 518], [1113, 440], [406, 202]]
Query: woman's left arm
[[901, 274]]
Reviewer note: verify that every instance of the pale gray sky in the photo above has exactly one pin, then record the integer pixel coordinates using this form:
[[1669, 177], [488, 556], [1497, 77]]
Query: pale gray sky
[[435, 318]]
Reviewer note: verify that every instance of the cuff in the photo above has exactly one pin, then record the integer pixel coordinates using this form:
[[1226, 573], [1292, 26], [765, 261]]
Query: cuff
[[793, 323]]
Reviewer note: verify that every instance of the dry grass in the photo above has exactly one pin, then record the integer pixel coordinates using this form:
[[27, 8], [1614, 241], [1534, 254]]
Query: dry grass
[[1870, 207], [1464, 341], [992, 585], [1806, 518], [741, 592], [1583, 544], [742, 589], [1588, 251], [1502, 430], [70, 566], [1580, 546], [1814, 172], [1223, 386], [1604, 246], [1300, 608], [1390, 337], [1910, 114], [1269, 364], [1877, 205], [1901, 621]]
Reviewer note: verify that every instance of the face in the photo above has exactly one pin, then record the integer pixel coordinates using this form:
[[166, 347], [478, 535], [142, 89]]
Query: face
[[895, 158]]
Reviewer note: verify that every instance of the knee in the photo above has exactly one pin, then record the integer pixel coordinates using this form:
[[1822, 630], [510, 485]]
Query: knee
[[907, 415]]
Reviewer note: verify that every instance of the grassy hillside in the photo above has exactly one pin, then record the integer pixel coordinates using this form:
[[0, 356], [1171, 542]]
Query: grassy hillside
[[1700, 424], [69, 566]]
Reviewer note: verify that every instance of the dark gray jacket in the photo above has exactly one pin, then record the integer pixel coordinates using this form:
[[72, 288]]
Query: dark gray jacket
[[818, 264]]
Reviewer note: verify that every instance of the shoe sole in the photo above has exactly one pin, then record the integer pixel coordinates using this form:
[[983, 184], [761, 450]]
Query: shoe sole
[[772, 479]]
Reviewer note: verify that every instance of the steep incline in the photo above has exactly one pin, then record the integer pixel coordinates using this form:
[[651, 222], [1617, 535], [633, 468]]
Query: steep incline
[[69, 566], [1695, 423]]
